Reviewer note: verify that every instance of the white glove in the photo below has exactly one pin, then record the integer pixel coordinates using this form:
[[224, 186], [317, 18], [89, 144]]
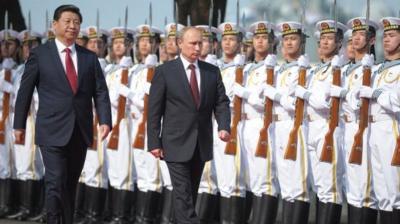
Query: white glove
[[123, 90], [8, 63], [125, 62], [147, 86], [239, 60], [368, 60], [300, 91], [270, 60], [336, 91], [212, 59], [366, 92], [303, 61], [151, 60], [269, 91], [337, 61], [240, 91], [7, 87]]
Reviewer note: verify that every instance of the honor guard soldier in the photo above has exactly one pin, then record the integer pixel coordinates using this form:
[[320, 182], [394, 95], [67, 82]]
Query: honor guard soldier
[[49, 35], [326, 158], [383, 131], [208, 35], [348, 41], [27, 158], [287, 135], [119, 152], [229, 156], [8, 183], [261, 178], [247, 48], [360, 194], [82, 38]]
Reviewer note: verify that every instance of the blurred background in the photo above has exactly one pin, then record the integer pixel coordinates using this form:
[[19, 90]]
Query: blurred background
[[112, 12]]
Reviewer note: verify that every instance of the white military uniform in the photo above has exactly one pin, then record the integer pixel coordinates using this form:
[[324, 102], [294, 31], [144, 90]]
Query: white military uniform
[[261, 172], [382, 134]]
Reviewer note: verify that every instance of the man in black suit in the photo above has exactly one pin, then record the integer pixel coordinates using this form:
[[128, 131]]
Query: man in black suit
[[68, 78], [184, 94]]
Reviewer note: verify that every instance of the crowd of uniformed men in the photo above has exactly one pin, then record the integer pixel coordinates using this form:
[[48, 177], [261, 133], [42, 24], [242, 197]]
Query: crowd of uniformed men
[[129, 184]]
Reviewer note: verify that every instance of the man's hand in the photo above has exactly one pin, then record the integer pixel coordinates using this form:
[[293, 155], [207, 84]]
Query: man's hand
[[104, 130], [224, 135], [158, 153], [19, 135]]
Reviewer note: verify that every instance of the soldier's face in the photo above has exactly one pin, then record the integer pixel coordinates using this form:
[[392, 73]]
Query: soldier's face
[[260, 43], [81, 42], [144, 46], [163, 53], [118, 47], [350, 50], [206, 46], [230, 44], [67, 26], [327, 45], [391, 41], [291, 44], [26, 48], [360, 40], [95, 45], [191, 44], [171, 45], [8, 48]]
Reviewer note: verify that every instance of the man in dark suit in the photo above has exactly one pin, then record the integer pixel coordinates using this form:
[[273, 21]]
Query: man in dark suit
[[68, 78], [184, 94]]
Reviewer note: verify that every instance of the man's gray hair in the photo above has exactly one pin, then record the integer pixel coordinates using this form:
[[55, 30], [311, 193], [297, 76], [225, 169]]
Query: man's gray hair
[[182, 32]]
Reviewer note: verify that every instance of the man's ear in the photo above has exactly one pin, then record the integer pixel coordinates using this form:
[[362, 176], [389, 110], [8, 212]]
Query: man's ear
[[372, 40]]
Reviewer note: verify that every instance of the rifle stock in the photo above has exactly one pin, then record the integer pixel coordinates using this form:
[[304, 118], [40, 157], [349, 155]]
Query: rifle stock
[[262, 145], [231, 146], [396, 153], [356, 150], [328, 146], [291, 148], [114, 138], [95, 133], [138, 143], [6, 108]]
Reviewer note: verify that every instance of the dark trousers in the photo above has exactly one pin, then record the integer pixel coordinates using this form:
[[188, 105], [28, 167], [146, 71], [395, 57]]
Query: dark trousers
[[63, 166], [185, 178]]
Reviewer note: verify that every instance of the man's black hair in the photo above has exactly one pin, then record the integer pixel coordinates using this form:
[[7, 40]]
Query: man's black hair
[[66, 8]]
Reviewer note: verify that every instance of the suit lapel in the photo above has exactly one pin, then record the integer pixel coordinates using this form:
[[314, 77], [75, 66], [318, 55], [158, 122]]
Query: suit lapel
[[180, 70], [81, 63], [203, 83], [58, 64]]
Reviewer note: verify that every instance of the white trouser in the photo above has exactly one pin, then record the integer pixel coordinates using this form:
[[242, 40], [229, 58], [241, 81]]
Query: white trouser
[[120, 161], [326, 178], [208, 181], [95, 168], [230, 169], [262, 177], [359, 191], [385, 177], [7, 168], [147, 169], [27, 158], [292, 175]]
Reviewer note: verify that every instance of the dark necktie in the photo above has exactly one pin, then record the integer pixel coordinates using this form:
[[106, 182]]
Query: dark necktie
[[70, 70], [193, 85]]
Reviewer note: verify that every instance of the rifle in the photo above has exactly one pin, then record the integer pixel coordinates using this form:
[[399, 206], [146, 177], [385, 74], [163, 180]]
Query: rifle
[[113, 142], [6, 96], [95, 133], [327, 148], [138, 143], [396, 153], [230, 147], [291, 148], [356, 149], [262, 145]]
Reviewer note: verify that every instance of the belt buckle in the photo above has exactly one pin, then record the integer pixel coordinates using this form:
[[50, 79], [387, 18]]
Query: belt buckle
[[275, 117], [310, 117], [244, 116], [347, 118]]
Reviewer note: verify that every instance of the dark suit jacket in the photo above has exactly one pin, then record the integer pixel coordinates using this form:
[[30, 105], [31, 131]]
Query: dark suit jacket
[[59, 108], [183, 124]]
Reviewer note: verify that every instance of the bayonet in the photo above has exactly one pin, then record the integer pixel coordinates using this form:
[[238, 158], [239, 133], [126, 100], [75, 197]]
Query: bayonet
[[219, 17], [335, 14], [6, 26], [189, 22], [98, 24], [29, 23], [243, 19], [47, 25], [126, 31], [237, 13], [210, 14], [165, 21], [303, 29], [367, 26], [150, 15]]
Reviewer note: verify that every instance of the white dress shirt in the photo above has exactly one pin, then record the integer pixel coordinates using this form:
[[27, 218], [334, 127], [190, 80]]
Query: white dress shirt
[[186, 64], [60, 48]]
